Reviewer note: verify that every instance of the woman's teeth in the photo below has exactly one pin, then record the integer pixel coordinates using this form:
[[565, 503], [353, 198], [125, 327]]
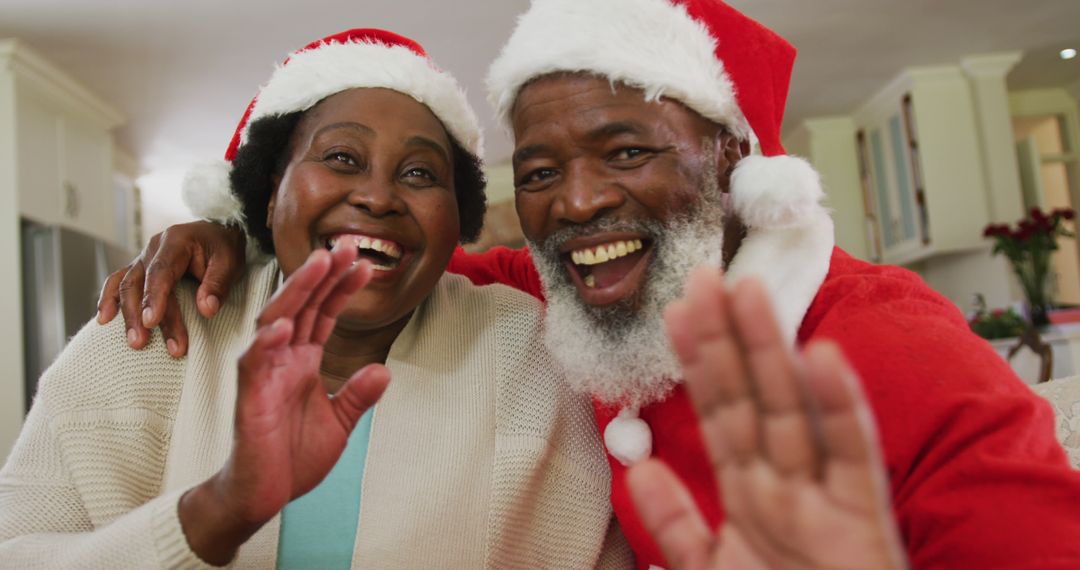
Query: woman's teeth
[[604, 253], [371, 247]]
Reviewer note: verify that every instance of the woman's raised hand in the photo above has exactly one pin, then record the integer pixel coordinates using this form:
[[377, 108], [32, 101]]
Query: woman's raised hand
[[792, 443], [288, 432]]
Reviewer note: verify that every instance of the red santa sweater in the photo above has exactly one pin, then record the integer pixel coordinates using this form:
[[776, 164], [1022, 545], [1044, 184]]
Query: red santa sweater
[[978, 479]]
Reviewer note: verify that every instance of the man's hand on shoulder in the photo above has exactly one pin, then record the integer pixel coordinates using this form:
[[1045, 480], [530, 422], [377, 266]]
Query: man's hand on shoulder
[[143, 291]]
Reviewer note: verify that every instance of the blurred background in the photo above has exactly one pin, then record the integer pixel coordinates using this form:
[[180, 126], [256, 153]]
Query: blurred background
[[928, 120]]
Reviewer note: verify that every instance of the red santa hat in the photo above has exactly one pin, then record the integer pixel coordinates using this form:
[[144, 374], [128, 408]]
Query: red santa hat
[[703, 53], [347, 60], [726, 67]]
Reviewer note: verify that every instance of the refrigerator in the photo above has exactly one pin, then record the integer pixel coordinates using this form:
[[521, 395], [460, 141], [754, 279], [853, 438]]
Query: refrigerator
[[62, 274]]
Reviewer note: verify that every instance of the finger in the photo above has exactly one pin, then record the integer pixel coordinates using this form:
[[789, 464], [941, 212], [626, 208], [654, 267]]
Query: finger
[[764, 510], [670, 516], [788, 439], [131, 287], [109, 300], [355, 279], [221, 273], [853, 467], [258, 355], [166, 269], [173, 329], [714, 370], [341, 258], [293, 295], [359, 394]]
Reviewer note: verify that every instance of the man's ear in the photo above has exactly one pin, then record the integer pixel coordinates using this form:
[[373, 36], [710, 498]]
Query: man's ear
[[730, 150]]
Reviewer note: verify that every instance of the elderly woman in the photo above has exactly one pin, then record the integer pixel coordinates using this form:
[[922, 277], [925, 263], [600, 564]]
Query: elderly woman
[[476, 454]]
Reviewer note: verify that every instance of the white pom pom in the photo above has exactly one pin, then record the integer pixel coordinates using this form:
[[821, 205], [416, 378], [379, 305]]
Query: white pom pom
[[776, 191], [628, 438], [208, 193]]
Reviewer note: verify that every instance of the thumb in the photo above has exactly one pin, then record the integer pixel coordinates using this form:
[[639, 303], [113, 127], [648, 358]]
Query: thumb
[[359, 394]]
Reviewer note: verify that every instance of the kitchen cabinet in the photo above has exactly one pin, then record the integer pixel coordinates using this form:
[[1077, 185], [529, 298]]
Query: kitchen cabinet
[[921, 167], [62, 152]]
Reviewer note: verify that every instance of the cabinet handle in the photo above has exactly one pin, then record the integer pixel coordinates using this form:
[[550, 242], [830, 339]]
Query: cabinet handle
[[71, 200]]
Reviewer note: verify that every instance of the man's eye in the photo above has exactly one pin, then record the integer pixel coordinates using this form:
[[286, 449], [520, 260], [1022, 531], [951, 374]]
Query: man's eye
[[629, 153], [536, 176]]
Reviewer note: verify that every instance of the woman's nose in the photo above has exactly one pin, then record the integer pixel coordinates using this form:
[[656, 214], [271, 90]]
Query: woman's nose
[[377, 197]]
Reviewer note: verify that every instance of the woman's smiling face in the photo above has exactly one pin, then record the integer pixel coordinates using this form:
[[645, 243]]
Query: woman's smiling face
[[371, 168]]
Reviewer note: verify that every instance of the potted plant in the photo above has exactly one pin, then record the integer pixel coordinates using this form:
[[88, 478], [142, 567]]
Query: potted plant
[[1028, 247], [997, 323]]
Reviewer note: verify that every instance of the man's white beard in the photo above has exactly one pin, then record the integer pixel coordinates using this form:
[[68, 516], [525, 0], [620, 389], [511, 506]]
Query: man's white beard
[[614, 353]]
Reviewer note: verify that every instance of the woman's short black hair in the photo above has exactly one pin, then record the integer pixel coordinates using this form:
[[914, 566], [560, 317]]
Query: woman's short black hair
[[266, 154]]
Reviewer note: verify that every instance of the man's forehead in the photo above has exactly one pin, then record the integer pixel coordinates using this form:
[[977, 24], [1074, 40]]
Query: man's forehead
[[567, 83], [606, 100]]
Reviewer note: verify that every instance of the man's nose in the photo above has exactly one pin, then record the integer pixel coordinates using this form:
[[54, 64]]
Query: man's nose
[[585, 195], [376, 196]]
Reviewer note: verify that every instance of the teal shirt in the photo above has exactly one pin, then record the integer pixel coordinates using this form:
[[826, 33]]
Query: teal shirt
[[318, 530]]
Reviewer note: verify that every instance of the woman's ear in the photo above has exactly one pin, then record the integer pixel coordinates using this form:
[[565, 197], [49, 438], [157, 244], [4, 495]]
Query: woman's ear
[[275, 180]]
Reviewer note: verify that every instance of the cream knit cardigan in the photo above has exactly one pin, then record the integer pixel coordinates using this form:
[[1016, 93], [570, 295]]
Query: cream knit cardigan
[[479, 454]]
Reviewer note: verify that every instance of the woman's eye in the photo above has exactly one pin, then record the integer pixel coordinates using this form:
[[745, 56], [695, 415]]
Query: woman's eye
[[342, 158], [422, 173]]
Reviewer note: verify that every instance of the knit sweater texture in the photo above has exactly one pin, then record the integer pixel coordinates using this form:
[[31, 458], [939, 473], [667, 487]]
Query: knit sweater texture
[[479, 456]]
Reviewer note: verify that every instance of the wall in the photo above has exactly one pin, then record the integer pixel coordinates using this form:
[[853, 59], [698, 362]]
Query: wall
[[959, 276], [11, 349]]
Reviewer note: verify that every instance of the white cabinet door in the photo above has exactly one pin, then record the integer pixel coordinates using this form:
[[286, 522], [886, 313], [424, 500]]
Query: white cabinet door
[[87, 198], [899, 217], [38, 158]]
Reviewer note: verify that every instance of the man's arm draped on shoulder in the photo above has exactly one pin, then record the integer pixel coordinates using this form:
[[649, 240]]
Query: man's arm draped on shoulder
[[215, 255], [511, 267]]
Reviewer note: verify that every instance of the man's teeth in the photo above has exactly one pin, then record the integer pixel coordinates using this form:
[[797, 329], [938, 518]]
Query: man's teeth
[[604, 253], [590, 281], [389, 248]]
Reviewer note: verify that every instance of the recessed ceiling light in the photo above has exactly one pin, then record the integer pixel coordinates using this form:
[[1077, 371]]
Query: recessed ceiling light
[[1068, 53]]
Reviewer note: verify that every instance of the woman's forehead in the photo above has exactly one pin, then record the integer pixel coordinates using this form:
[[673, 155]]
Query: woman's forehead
[[379, 111]]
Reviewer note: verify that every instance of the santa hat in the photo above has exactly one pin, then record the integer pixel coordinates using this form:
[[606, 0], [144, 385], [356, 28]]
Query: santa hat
[[703, 53], [347, 60]]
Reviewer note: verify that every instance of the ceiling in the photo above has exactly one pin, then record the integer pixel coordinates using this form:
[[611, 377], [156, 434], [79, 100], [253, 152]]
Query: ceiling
[[182, 72]]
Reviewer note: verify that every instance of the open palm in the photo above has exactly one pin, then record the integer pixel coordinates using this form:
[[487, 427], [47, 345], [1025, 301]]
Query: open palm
[[792, 443], [288, 432]]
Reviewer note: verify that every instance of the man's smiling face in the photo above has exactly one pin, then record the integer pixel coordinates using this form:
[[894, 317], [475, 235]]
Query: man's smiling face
[[619, 198]]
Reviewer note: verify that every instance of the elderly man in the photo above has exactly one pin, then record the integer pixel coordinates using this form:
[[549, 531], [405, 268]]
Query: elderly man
[[634, 122]]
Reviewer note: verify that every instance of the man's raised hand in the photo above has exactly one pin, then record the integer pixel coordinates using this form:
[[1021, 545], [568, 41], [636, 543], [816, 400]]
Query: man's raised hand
[[792, 443]]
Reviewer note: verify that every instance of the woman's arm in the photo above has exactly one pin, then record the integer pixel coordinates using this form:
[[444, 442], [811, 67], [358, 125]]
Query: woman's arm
[[84, 497], [77, 489]]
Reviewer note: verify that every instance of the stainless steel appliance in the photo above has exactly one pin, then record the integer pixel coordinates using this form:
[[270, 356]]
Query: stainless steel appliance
[[62, 272]]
